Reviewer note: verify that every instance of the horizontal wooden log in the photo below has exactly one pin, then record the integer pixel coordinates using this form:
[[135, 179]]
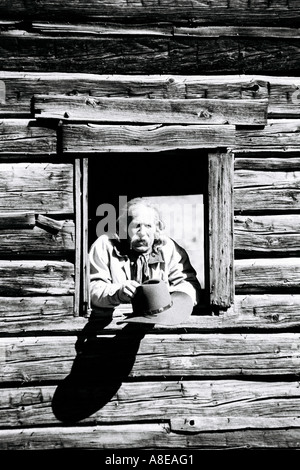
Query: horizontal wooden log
[[261, 200], [263, 311], [16, 309], [28, 359], [282, 92], [281, 435], [22, 136], [21, 87], [160, 29], [267, 162], [191, 425], [108, 138], [205, 402], [19, 278], [25, 315], [39, 187], [189, 111], [31, 315], [17, 220], [220, 12], [283, 134], [266, 190], [49, 202], [38, 242], [267, 234], [148, 55], [231, 31], [267, 275], [259, 179]]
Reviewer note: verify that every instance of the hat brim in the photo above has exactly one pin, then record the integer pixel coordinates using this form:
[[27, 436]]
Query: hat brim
[[179, 312]]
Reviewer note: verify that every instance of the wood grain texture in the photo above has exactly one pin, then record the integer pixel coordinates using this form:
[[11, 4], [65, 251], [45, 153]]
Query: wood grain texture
[[29, 359], [22, 136], [256, 190], [282, 92], [220, 195], [280, 435], [222, 12], [39, 187], [38, 242], [153, 138], [210, 402], [267, 275], [33, 315], [283, 134], [189, 111], [37, 277], [267, 234], [147, 55]]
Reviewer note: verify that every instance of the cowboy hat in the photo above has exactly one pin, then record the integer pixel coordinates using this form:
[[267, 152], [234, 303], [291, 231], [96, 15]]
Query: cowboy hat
[[153, 303]]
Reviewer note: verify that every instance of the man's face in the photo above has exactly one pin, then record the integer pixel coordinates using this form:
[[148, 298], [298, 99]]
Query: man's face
[[141, 228]]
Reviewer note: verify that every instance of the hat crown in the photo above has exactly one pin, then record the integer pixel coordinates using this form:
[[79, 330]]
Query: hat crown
[[151, 297]]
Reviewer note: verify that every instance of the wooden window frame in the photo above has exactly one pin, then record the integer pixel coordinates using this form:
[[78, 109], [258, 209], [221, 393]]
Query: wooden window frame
[[219, 233]]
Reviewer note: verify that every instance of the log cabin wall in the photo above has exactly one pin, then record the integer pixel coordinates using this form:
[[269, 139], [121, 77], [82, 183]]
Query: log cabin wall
[[225, 380]]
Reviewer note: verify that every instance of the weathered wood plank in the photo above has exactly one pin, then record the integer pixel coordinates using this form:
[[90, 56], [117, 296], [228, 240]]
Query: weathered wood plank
[[267, 275], [25, 315], [207, 12], [220, 168], [265, 311], [37, 277], [49, 202], [159, 29], [29, 359], [147, 55], [282, 134], [267, 234], [116, 138], [31, 315], [267, 162], [281, 92], [260, 179], [189, 111], [45, 176], [20, 87], [38, 242], [191, 425], [204, 400], [17, 220], [266, 199], [22, 136], [281, 435], [231, 31], [16, 309], [39, 187], [256, 190]]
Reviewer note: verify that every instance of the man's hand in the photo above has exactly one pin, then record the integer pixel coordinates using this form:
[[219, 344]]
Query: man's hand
[[127, 291]]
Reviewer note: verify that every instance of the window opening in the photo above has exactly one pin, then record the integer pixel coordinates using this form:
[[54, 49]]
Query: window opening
[[175, 181]]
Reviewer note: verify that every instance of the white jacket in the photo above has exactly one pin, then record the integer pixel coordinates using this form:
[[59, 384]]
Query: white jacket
[[109, 269]]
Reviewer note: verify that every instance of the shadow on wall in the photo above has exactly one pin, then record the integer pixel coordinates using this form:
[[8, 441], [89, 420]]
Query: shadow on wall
[[100, 367]]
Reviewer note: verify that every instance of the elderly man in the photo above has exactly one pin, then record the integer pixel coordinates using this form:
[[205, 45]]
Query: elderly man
[[119, 266]]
